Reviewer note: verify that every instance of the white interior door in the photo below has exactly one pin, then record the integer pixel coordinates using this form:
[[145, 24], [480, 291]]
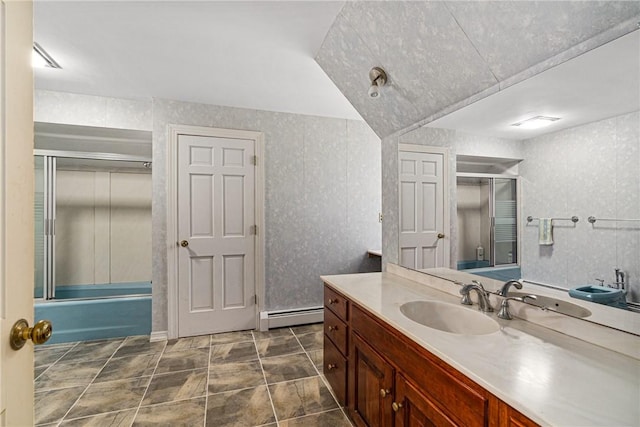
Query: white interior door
[[216, 229], [423, 222], [16, 209]]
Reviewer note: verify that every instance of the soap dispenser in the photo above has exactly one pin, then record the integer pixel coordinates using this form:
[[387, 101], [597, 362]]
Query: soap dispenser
[[480, 253]]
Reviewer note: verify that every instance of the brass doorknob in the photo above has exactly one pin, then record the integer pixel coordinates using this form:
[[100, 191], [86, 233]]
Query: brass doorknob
[[440, 236], [331, 366], [396, 406], [21, 332], [184, 243], [333, 328], [384, 392]]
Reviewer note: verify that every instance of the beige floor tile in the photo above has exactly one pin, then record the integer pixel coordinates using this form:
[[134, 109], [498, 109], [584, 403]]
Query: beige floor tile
[[333, 418], [50, 406], [233, 352], [110, 396], [242, 408], [71, 374], [183, 360], [288, 367], [140, 365], [185, 413], [189, 343], [301, 397], [278, 346], [234, 376], [112, 419], [176, 386], [231, 337]]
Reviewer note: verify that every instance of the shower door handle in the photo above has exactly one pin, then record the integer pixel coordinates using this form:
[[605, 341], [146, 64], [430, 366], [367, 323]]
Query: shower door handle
[[184, 243]]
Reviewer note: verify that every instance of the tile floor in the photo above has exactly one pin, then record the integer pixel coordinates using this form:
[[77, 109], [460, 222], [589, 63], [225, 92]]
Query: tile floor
[[244, 378]]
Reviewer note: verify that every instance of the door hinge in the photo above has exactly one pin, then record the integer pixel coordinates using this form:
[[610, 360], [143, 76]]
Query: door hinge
[[254, 230], [254, 160]]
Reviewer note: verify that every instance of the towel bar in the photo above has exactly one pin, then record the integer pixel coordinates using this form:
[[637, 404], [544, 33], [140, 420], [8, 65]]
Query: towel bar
[[573, 219], [593, 219]]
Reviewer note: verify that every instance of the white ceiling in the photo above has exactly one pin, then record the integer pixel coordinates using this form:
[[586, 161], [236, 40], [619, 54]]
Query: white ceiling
[[601, 83], [259, 55], [249, 54]]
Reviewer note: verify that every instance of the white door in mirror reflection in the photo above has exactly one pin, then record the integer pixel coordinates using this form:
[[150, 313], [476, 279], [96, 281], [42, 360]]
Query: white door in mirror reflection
[[423, 234]]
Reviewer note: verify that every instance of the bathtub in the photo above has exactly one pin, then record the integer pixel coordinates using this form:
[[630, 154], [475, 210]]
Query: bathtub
[[97, 312]]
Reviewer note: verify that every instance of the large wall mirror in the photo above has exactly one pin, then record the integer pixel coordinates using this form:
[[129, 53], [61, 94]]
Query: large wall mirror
[[585, 165]]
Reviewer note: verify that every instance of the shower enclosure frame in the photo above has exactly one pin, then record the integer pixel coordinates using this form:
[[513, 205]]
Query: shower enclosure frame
[[492, 214], [49, 207]]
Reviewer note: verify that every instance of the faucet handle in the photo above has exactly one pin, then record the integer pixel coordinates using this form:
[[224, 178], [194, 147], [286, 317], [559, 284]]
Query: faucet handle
[[601, 281], [504, 306], [466, 297]]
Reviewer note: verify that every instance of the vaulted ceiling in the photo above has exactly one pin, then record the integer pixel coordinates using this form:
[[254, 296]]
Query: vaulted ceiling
[[441, 56]]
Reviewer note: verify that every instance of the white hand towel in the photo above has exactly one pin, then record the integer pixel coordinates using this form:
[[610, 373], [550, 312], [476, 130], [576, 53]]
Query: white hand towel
[[545, 231]]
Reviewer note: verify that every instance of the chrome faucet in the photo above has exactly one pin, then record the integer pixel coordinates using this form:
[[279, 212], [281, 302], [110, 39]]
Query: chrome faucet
[[504, 291], [483, 296], [504, 306]]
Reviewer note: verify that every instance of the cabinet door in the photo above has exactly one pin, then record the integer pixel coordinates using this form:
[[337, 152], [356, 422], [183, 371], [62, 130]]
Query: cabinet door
[[370, 385], [414, 409], [512, 418]]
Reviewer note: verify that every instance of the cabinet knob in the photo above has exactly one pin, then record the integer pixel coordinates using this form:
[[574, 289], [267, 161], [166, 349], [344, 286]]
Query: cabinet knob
[[440, 236], [333, 301], [332, 328], [331, 366], [396, 406], [384, 393]]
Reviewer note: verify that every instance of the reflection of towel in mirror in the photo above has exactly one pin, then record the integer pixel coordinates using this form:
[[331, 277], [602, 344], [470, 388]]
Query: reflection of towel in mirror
[[545, 231]]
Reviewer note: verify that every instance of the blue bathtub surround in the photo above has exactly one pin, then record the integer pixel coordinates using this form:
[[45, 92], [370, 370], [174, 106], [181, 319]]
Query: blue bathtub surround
[[102, 290], [466, 265], [101, 317]]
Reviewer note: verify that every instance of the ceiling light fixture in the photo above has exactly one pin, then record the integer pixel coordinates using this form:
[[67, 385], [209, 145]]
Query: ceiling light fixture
[[536, 122], [41, 59], [378, 79]]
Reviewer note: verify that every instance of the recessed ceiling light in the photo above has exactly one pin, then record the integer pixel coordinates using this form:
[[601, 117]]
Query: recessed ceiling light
[[536, 122], [41, 59]]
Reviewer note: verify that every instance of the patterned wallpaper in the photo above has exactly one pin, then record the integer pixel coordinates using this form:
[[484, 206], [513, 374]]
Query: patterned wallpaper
[[322, 187], [322, 198], [591, 170]]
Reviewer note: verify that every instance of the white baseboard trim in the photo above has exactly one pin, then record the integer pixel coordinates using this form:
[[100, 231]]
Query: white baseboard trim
[[284, 318], [159, 336]]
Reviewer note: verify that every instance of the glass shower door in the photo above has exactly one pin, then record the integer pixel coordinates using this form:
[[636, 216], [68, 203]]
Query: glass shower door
[[505, 221], [39, 216], [44, 222]]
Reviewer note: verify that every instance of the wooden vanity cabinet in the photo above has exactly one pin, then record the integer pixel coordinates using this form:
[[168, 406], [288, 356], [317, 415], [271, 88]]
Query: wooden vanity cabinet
[[336, 338], [392, 381], [414, 409], [370, 386]]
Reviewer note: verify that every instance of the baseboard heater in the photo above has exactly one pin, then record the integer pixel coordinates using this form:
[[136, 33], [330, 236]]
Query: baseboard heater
[[284, 318]]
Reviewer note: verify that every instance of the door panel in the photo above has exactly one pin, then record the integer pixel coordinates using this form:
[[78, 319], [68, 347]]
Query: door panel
[[422, 210], [416, 410], [216, 212], [372, 386], [16, 209]]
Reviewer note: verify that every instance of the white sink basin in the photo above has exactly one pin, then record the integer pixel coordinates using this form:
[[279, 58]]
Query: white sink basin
[[554, 304], [449, 318]]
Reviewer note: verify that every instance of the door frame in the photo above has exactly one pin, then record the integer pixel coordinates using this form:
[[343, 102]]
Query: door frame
[[446, 190], [174, 131]]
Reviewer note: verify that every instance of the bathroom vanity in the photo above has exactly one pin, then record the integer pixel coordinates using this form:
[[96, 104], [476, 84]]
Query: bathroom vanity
[[387, 369]]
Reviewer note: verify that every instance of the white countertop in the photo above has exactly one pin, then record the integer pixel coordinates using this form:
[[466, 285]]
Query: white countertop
[[552, 378]]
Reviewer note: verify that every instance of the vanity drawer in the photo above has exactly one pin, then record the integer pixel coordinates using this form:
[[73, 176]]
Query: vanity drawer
[[336, 330], [335, 370], [336, 303]]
